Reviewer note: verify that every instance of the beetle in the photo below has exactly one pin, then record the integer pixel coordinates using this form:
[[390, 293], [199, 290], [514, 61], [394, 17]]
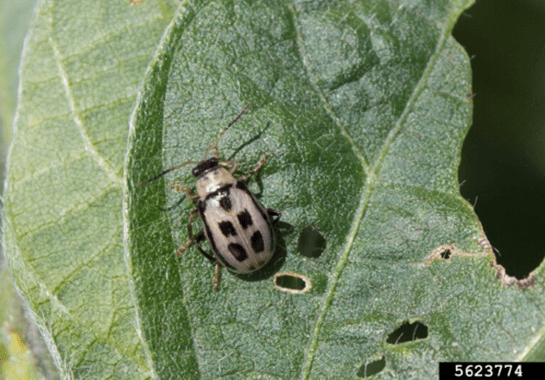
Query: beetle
[[238, 229]]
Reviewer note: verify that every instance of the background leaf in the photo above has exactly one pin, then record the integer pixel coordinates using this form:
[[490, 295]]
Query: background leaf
[[63, 198], [18, 330]]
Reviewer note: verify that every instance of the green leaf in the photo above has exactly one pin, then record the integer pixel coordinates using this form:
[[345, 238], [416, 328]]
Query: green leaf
[[14, 324], [82, 66], [362, 108]]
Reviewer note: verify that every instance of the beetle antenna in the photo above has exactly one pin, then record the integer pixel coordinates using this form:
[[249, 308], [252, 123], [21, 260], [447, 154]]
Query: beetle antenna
[[226, 128], [165, 172]]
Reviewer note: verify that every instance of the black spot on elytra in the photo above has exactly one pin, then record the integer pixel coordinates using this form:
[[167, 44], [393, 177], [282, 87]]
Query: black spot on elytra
[[257, 242], [227, 229], [245, 219], [237, 251], [225, 202]]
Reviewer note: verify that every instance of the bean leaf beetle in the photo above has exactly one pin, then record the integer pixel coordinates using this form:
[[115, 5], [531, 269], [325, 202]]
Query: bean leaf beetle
[[238, 229]]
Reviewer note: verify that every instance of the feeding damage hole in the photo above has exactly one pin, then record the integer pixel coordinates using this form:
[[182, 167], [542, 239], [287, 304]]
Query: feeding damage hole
[[445, 255], [291, 283], [445, 252], [484, 243], [311, 242], [505, 279], [372, 368], [408, 332]]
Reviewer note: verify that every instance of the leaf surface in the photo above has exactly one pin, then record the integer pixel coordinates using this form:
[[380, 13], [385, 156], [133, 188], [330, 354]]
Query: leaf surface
[[81, 68], [362, 109]]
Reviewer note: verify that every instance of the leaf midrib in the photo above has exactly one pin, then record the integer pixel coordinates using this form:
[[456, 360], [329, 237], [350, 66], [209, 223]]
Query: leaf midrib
[[371, 175]]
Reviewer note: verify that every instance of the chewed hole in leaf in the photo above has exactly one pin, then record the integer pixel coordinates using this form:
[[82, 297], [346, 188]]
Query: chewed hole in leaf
[[446, 254], [311, 242], [291, 282], [371, 368], [511, 214], [408, 332]]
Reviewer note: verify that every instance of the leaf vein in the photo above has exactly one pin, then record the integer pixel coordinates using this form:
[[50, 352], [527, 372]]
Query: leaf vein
[[371, 181], [89, 146], [301, 46]]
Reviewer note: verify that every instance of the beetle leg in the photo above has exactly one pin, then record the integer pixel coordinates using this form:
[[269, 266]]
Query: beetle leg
[[194, 239], [186, 190], [254, 170], [191, 240], [199, 238], [217, 276], [217, 272], [272, 212], [232, 164]]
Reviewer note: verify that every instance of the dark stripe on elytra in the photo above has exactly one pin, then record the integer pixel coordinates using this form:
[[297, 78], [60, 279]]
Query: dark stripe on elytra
[[257, 242], [237, 251], [245, 219], [201, 206], [227, 229], [225, 263]]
